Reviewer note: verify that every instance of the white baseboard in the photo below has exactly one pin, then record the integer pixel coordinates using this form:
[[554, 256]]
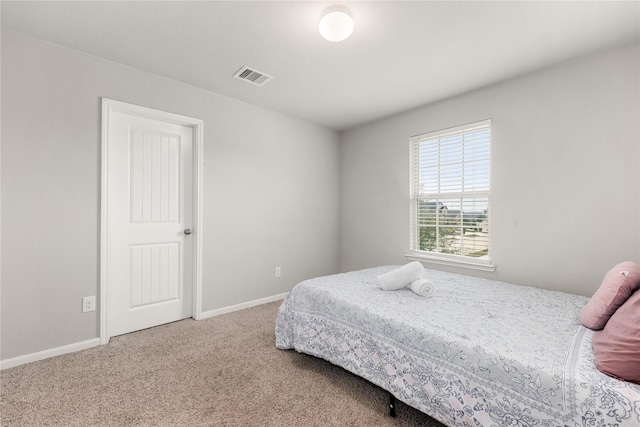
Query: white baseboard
[[45, 354], [58, 351], [241, 306]]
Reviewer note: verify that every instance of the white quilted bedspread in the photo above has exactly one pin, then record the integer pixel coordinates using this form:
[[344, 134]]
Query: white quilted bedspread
[[477, 353]]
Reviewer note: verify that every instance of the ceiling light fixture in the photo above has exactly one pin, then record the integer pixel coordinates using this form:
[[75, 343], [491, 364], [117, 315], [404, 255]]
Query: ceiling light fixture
[[336, 23]]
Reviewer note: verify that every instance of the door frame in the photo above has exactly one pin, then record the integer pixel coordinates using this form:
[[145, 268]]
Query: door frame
[[110, 106]]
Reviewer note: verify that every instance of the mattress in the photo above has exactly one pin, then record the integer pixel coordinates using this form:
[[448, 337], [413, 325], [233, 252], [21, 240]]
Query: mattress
[[477, 353]]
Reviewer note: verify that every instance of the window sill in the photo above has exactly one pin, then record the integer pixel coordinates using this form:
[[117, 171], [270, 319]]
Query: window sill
[[453, 261]]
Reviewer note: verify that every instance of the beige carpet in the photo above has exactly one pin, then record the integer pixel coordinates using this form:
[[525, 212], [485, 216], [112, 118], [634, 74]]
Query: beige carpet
[[222, 371]]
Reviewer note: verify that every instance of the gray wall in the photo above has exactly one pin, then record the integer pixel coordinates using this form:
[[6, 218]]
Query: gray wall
[[279, 191], [566, 187], [271, 191]]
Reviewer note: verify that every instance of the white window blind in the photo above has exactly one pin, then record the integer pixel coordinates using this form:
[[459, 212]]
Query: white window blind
[[451, 192]]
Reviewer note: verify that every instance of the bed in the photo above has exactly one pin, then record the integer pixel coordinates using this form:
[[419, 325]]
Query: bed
[[476, 353]]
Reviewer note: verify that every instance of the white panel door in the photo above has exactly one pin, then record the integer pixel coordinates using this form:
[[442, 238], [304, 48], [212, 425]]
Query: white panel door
[[149, 248]]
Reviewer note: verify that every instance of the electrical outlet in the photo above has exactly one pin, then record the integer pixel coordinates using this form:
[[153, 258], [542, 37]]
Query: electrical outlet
[[278, 271], [88, 304]]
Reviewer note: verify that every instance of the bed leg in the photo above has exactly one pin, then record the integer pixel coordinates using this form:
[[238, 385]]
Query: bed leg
[[392, 405]]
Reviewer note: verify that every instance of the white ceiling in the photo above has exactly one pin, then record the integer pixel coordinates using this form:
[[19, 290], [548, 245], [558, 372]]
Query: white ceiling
[[401, 55]]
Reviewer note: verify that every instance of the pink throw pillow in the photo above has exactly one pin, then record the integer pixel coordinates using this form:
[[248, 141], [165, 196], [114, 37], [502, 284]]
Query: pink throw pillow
[[620, 282], [617, 346]]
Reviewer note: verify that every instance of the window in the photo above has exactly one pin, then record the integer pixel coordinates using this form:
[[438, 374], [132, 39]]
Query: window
[[450, 195]]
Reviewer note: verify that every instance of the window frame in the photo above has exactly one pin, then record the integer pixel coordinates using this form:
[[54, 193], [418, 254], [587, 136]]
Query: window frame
[[414, 253]]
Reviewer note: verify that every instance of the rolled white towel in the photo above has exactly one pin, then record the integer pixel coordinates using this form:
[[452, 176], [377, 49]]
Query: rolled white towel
[[400, 277], [422, 287]]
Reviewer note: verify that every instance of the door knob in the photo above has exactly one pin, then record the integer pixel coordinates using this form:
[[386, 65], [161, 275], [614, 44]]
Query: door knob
[[187, 231]]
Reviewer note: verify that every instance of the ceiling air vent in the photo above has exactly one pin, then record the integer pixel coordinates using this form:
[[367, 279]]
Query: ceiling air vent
[[252, 76]]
